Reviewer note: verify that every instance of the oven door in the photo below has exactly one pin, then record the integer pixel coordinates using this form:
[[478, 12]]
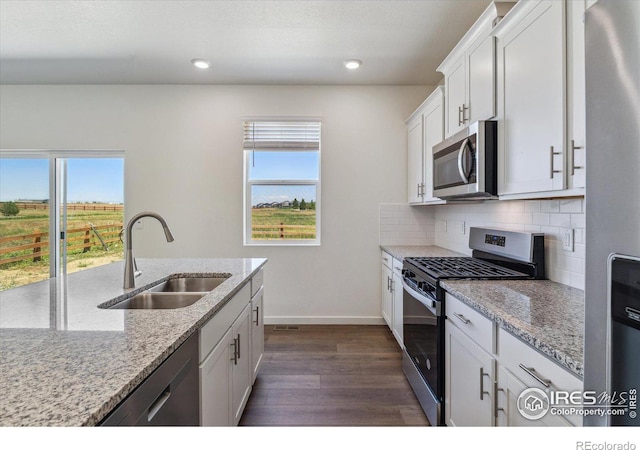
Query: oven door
[[423, 362]]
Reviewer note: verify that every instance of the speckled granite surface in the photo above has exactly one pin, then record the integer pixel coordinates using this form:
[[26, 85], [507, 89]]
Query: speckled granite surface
[[66, 362], [405, 251], [547, 315]]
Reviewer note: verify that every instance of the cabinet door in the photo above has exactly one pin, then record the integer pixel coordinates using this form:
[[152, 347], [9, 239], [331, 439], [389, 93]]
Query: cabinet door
[[387, 296], [397, 292], [257, 333], [469, 375], [456, 94], [509, 389], [531, 148], [576, 94], [241, 363], [414, 158], [215, 385], [481, 61], [433, 125]]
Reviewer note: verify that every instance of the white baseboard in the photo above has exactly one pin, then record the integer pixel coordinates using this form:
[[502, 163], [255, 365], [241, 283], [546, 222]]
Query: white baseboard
[[330, 320]]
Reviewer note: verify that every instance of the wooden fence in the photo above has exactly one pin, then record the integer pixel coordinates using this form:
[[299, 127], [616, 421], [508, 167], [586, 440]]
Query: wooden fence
[[37, 246], [282, 231], [72, 206]]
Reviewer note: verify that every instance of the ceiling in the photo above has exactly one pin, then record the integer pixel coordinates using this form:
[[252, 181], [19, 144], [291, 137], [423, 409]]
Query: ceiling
[[247, 42]]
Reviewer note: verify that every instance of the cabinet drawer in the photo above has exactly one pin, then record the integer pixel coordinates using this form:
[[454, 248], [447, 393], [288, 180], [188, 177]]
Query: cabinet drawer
[[478, 327], [217, 326], [256, 282], [387, 259], [397, 266], [514, 352], [536, 369]]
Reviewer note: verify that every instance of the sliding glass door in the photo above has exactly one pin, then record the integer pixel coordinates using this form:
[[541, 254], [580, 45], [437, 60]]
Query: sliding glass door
[[59, 213]]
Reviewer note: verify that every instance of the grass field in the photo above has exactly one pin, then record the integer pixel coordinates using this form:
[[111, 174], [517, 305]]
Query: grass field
[[285, 223], [30, 221]]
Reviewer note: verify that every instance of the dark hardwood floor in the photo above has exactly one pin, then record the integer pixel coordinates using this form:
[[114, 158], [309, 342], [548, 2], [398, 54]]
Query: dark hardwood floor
[[332, 375]]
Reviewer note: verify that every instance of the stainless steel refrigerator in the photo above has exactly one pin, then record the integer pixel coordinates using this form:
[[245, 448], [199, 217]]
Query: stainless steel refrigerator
[[612, 197]]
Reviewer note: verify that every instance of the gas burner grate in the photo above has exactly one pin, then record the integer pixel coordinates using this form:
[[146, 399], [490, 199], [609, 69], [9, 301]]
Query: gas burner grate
[[463, 267]]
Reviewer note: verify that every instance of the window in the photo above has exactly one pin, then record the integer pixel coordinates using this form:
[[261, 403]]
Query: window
[[60, 212], [282, 182]]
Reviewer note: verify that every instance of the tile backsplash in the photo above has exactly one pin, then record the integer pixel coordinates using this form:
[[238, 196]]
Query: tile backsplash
[[406, 225], [448, 226]]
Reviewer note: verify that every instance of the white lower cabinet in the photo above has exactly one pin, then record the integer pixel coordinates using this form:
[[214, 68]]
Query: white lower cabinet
[[469, 375], [397, 292], [509, 388], [215, 379], [487, 368], [241, 363], [257, 333], [230, 355], [387, 294], [392, 293]]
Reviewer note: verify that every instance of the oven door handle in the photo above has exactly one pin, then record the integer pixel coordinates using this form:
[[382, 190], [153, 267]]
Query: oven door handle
[[426, 301]]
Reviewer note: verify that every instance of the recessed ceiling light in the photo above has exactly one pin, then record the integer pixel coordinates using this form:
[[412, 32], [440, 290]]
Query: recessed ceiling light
[[201, 63], [352, 63]]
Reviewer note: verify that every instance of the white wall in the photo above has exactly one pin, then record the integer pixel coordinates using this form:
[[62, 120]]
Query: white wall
[[184, 160]]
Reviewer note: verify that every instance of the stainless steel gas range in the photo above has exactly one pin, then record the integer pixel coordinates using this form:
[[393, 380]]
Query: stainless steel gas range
[[496, 254]]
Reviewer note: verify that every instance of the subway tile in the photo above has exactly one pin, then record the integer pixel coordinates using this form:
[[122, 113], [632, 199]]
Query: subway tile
[[540, 218], [560, 220], [571, 205], [551, 206], [532, 206], [578, 220]]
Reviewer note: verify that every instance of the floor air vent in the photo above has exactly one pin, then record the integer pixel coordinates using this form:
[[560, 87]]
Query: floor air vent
[[285, 328]]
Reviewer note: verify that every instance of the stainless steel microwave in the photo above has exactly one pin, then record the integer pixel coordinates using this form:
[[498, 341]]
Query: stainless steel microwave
[[465, 165]]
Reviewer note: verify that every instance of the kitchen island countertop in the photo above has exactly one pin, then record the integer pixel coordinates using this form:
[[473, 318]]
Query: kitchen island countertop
[[66, 362]]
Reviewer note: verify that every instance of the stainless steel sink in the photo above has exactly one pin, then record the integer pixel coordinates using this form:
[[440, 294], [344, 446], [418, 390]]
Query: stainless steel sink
[[189, 284], [160, 300], [173, 293]]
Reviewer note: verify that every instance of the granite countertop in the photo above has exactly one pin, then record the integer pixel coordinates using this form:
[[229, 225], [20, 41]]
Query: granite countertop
[[405, 251], [547, 315], [66, 362]]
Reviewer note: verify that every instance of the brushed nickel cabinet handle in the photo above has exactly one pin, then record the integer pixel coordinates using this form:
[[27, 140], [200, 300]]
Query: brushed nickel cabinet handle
[[234, 358], [552, 170], [462, 318], [573, 156], [531, 371], [482, 391], [257, 321], [465, 118], [460, 115]]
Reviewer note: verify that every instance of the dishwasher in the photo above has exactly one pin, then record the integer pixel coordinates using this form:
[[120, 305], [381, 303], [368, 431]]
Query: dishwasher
[[167, 397]]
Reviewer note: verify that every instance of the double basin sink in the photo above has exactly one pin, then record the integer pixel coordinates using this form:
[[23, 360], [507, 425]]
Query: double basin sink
[[173, 293]]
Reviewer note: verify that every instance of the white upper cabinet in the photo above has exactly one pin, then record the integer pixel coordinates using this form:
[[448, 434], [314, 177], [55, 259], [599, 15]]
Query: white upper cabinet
[[541, 99], [531, 64], [470, 73], [425, 129]]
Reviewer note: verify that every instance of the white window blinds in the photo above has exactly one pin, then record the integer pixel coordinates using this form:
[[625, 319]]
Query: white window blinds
[[281, 135]]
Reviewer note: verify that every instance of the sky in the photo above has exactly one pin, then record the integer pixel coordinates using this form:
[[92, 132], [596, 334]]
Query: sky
[[88, 179], [294, 165], [102, 179]]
